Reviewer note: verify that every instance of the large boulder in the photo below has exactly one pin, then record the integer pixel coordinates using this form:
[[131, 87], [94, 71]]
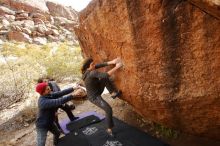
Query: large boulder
[[171, 56], [42, 28], [52, 38], [55, 32], [19, 36], [5, 10], [16, 28], [10, 18], [61, 11], [40, 40], [39, 16], [31, 6], [4, 32], [1, 42], [21, 13], [17, 23], [27, 5], [26, 30], [62, 21], [29, 24], [38, 21], [5, 22]]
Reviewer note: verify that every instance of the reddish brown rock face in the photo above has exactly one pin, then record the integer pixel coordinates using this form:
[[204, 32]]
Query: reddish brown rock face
[[171, 52], [18, 36], [210, 6]]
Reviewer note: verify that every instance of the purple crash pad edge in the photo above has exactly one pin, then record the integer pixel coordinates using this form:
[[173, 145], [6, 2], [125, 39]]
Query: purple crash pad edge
[[64, 122]]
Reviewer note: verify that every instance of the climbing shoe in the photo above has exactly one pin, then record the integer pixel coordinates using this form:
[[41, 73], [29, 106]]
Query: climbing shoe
[[116, 94], [110, 134]]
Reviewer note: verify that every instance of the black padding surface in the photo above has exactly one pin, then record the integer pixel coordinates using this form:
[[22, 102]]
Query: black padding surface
[[74, 125], [73, 140], [95, 135]]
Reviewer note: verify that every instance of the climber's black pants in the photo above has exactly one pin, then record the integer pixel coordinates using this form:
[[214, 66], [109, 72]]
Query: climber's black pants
[[100, 102]]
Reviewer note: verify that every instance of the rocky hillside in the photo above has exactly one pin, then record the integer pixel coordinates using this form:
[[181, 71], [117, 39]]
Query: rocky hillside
[[170, 49], [36, 21]]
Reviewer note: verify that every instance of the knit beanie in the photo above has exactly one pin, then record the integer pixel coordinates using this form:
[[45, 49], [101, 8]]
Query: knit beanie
[[40, 88]]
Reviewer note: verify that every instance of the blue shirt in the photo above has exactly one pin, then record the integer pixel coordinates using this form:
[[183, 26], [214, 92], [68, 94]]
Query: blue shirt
[[47, 106]]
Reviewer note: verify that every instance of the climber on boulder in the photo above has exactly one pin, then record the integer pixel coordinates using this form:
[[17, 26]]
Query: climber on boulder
[[96, 81]]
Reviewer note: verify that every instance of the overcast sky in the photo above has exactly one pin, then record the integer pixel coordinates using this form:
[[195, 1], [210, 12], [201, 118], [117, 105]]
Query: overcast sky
[[78, 5]]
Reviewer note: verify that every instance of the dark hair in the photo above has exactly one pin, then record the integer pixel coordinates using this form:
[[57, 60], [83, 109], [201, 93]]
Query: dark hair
[[86, 64], [49, 78], [40, 80]]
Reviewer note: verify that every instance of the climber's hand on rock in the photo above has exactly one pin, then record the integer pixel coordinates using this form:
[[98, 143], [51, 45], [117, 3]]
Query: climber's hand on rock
[[117, 60], [118, 65], [114, 61]]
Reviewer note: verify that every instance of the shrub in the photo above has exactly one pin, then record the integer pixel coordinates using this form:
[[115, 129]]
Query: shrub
[[22, 64], [165, 131]]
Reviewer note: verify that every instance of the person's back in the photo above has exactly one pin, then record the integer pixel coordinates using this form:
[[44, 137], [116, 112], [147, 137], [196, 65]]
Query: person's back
[[47, 107], [47, 104], [53, 86], [92, 84], [45, 116], [65, 107]]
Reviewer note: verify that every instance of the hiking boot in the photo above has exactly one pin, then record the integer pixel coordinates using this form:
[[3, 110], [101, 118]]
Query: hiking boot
[[56, 139], [72, 107], [74, 118], [116, 94], [61, 131]]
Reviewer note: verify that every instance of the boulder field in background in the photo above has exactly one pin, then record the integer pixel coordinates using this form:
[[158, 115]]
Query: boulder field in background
[[37, 21]]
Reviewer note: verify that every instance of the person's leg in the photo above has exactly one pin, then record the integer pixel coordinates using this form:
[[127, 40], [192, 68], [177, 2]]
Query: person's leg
[[56, 121], [41, 136], [109, 84], [67, 109], [56, 133], [100, 102]]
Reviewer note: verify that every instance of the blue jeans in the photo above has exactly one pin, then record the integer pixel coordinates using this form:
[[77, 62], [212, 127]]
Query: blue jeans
[[42, 135]]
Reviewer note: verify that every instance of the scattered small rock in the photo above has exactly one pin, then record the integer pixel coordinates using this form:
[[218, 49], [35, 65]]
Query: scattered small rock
[[5, 10], [26, 30], [1, 42], [10, 18], [29, 24], [19, 36], [40, 40], [38, 21], [3, 32], [5, 22]]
